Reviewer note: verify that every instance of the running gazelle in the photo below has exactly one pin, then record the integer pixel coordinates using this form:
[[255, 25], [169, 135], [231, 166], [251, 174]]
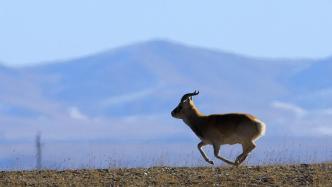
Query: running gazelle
[[220, 129]]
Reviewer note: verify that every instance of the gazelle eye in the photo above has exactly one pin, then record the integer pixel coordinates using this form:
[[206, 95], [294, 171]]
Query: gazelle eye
[[179, 108]]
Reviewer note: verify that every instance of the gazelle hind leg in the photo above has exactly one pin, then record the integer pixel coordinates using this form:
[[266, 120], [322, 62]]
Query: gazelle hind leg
[[247, 148]]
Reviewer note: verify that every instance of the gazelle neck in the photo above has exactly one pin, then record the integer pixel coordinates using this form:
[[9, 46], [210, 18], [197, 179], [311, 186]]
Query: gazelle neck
[[193, 116], [194, 120]]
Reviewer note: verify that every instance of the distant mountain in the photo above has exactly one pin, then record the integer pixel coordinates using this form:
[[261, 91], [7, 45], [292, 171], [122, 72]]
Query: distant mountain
[[135, 87], [154, 69], [314, 84], [318, 76]]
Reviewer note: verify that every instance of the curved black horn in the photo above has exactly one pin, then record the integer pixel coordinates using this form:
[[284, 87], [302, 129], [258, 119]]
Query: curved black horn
[[186, 96]]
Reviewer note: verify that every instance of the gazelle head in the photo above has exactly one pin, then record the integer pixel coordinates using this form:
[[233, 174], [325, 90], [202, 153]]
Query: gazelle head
[[186, 104]]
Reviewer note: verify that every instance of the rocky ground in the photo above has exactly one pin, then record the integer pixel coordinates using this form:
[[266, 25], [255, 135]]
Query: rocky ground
[[276, 175]]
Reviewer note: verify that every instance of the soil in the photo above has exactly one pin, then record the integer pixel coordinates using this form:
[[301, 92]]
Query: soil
[[274, 175]]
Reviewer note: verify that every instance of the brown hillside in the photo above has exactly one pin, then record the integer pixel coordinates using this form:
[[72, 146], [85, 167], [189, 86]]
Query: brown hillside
[[278, 175]]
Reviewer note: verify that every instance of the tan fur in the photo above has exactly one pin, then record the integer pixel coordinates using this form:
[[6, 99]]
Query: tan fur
[[220, 129]]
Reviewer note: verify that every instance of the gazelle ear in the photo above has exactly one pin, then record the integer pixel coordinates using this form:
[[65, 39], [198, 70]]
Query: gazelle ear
[[191, 98]]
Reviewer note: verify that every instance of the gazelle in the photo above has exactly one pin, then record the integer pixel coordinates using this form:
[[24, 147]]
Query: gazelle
[[220, 129]]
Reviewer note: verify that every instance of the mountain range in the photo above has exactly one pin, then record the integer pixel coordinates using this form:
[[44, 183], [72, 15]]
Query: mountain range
[[116, 103], [127, 93]]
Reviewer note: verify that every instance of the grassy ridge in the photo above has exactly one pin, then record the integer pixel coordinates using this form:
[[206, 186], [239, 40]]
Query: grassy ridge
[[275, 175]]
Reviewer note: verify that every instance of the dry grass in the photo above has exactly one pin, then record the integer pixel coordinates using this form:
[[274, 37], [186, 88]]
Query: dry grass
[[275, 175]]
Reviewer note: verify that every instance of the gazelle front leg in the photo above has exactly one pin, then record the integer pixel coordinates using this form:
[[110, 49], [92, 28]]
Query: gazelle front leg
[[216, 149], [200, 145]]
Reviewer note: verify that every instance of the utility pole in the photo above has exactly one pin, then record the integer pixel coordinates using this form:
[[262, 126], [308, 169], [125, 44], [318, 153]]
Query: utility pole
[[38, 152]]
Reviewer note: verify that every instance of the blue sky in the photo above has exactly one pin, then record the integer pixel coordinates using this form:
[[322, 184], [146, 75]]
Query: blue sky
[[36, 30]]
